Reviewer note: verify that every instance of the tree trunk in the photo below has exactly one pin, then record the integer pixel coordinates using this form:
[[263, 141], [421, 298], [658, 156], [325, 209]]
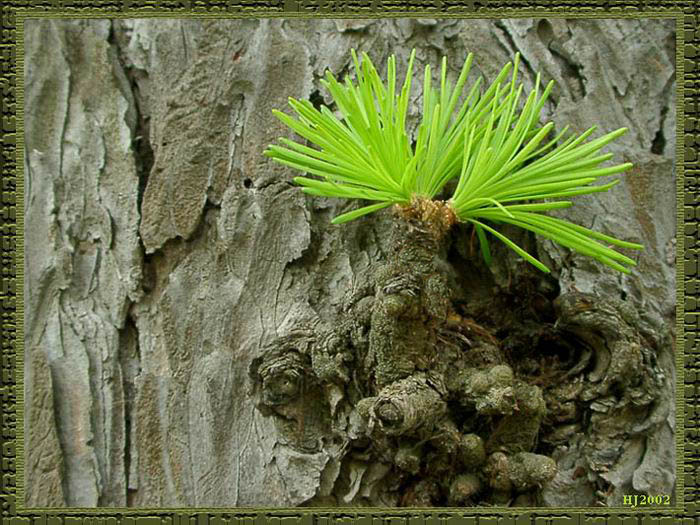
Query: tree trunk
[[197, 333]]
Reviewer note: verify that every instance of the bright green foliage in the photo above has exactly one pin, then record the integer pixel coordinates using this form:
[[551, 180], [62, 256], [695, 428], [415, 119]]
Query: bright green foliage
[[506, 171]]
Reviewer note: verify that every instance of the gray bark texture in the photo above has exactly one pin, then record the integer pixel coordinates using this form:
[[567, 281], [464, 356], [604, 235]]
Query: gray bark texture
[[174, 275]]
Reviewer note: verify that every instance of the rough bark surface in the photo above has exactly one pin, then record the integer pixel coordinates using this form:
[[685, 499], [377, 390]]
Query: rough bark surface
[[179, 287]]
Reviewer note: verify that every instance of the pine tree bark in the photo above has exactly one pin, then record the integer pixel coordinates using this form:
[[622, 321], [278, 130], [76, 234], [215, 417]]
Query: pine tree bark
[[164, 256]]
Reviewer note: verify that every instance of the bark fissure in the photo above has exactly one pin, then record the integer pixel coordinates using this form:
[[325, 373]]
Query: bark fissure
[[659, 143], [129, 349], [141, 140], [570, 68], [513, 47], [129, 334]]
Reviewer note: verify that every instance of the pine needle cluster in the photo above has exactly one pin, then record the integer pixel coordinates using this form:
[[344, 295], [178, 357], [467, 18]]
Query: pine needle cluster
[[508, 168]]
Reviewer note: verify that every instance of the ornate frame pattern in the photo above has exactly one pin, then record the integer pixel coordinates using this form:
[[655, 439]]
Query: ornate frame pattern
[[687, 16]]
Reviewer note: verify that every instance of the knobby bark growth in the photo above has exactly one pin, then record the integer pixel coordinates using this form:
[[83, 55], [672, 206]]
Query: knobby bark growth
[[452, 414]]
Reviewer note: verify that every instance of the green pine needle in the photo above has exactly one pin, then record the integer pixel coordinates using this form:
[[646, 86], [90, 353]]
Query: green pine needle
[[506, 171]]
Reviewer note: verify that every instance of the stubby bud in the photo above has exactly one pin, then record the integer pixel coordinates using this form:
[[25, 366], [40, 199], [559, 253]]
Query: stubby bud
[[463, 488], [472, 451], [528, 470]]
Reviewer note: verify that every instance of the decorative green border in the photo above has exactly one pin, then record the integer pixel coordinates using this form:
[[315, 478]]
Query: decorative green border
[[687, 16]]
